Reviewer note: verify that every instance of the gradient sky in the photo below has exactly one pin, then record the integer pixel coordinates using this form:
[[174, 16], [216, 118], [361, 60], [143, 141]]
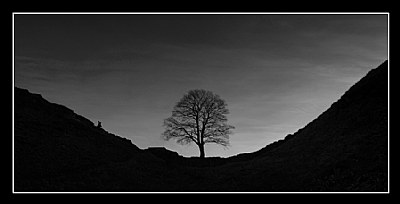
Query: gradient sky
[[276, 72]]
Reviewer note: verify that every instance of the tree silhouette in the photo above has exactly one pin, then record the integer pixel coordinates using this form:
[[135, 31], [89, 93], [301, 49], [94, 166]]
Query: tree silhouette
[[199, 117]]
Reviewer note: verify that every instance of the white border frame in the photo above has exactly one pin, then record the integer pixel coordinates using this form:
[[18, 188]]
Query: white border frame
[[205, 13]]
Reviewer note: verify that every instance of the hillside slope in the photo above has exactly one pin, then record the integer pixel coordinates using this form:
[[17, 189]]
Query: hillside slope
[[51, 140], [344, 149]]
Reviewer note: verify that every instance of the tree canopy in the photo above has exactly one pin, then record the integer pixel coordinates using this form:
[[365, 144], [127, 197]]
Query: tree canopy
[[199, 117]]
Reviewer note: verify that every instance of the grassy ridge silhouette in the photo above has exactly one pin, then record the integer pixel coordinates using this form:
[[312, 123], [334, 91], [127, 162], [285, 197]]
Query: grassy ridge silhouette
[[343, 149]]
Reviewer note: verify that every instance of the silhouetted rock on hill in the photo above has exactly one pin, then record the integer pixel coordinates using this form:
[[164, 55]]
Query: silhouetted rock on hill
[[50, 140], [162, 153], [173, 158]]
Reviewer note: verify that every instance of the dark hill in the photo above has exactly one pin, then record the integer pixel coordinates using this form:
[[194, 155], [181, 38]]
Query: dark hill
[[50, 140], [344, 149]]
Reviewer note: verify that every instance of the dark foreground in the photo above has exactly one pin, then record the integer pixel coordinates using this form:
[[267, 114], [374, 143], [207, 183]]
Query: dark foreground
[[344, 149]]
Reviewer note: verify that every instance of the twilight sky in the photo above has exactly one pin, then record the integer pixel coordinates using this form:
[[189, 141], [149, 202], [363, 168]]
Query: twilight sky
[[276, 72]]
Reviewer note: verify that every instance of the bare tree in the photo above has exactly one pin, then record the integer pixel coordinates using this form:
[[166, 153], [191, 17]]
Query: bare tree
[[199, 117]]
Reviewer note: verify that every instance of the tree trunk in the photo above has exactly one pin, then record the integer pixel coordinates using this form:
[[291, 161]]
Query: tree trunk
[[201, 147]]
